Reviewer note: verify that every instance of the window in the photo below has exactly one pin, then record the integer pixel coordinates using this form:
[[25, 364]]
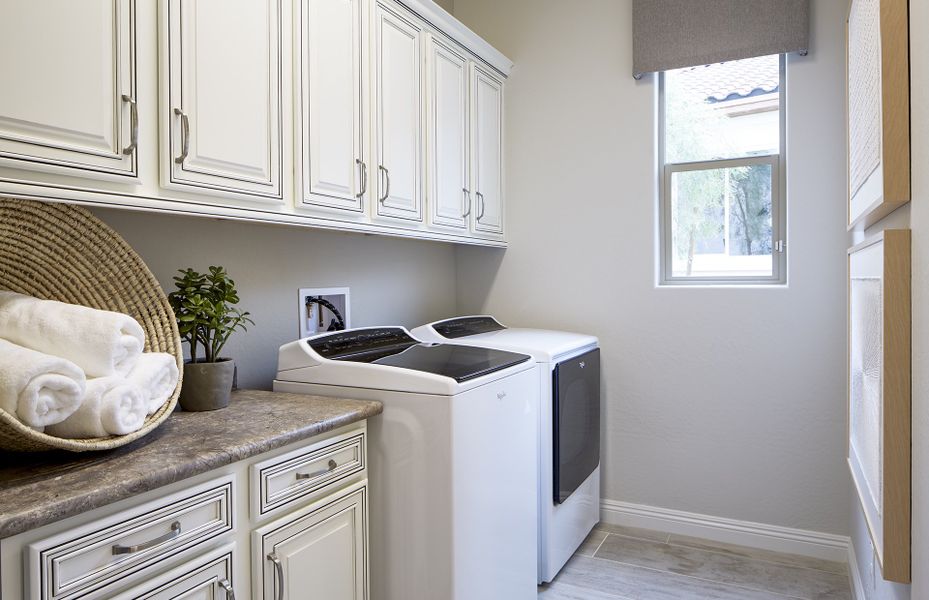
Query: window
[[722, 208]]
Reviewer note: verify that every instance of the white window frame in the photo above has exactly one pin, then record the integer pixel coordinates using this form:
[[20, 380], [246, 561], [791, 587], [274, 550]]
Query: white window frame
[[778, 164]]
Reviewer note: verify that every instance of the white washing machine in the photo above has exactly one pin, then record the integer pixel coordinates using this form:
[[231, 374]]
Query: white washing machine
[[569, 425], [453, 512]]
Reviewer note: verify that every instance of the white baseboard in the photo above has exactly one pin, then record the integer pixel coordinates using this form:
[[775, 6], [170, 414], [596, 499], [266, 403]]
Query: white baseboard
[[744, 533], [854, 574]]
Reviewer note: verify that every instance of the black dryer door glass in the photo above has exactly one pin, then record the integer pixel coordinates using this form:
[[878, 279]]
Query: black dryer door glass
[[576, 422]]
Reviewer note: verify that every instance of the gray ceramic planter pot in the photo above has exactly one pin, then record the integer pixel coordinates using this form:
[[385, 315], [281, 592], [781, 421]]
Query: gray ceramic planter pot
[[207, 385]]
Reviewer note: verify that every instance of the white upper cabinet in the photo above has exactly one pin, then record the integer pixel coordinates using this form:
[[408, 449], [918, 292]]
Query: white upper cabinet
[[487, 151], [450, 200], [222, 96], [68, 98], [399, 109], [332, 165]]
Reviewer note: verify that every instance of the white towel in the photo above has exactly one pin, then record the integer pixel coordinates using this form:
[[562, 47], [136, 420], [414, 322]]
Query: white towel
[[156, 375], [111, 406], [36, 388], [100, 342]]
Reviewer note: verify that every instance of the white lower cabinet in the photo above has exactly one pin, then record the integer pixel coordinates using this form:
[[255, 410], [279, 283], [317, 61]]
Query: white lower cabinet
[[318, 552], [198, 539], [209, 577]]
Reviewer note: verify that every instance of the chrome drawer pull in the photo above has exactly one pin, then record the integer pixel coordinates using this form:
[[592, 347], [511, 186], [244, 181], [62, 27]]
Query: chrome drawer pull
[[227, 587], [468, 196], [480, 197], [133, 126], [364, 178], [175, 531], [386, 195], [279, 570], [185, 136], [332, 466]]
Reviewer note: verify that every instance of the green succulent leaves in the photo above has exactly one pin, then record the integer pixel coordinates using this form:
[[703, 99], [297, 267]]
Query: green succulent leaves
[[204, 305]]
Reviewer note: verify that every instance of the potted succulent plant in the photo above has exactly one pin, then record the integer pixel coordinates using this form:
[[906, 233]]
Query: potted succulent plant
[[204, 305]]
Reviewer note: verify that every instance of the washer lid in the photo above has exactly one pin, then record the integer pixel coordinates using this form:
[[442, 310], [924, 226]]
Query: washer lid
[[393, 347], [544, 345]]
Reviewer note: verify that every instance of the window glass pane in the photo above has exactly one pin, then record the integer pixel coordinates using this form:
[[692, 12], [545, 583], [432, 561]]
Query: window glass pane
[[724, 110], [721, 222]]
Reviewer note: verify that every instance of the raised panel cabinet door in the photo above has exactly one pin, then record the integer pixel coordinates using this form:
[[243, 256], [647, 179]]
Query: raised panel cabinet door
[[320, 553], [487, 142], [224, 95], [334, 169], [400, 115], [210, 578], [450, 200], [68, 77]]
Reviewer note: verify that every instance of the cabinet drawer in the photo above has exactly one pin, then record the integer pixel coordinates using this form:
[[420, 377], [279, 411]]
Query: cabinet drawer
[[209, 577], [296, 475], [82, 562]]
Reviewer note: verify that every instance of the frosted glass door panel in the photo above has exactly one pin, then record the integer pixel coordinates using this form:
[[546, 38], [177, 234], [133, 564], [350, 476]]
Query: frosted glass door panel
[[866, 403]]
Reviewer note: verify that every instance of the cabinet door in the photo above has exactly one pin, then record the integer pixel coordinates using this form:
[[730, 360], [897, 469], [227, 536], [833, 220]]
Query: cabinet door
[[319, 551], [334, 170], [207, 578], [223, 96], [68, 86], [400, 118], [487, 144], [449, 196]]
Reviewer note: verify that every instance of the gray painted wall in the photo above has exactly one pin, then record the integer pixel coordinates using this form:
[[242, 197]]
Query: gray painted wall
[[392, 281], [726, 402], [448, 5]]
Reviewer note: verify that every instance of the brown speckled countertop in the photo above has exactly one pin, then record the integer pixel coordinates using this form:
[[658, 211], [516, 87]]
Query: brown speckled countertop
[[41, 488]]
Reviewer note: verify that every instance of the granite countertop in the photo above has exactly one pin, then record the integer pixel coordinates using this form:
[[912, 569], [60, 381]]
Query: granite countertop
[[41, 488]]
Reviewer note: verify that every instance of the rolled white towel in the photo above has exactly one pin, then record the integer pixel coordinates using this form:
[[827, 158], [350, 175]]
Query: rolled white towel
[[156, 374], [100, 342], [111, 406], [36, 388]]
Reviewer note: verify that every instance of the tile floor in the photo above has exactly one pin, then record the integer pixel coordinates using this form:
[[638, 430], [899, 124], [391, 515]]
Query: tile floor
[[622, 563]]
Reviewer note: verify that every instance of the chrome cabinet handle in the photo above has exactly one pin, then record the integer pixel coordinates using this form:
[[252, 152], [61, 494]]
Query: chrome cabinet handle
[[468, 196], [279, 570], [332, 466], [387, 191], [364, 178], [482, 205], [227, 587], [175, 531], [185, 136], [134, 124]]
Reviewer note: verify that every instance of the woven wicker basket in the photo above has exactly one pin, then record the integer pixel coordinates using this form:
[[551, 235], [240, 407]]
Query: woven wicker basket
[[62, 252]]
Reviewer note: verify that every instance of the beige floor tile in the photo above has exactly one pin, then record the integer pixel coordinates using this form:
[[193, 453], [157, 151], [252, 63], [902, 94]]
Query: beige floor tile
[[592, 542], [776, 557], [636, 583], [727, 569], [636, 532]]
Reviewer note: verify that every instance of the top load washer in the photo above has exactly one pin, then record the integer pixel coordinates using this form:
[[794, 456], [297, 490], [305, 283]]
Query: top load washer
[[569, 425], [453, 512]]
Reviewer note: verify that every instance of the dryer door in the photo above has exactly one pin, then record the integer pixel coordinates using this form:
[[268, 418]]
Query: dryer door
[[576, 422]]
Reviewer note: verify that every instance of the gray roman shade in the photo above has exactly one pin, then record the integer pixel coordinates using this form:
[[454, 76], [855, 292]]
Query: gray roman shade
[[671, 34]]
